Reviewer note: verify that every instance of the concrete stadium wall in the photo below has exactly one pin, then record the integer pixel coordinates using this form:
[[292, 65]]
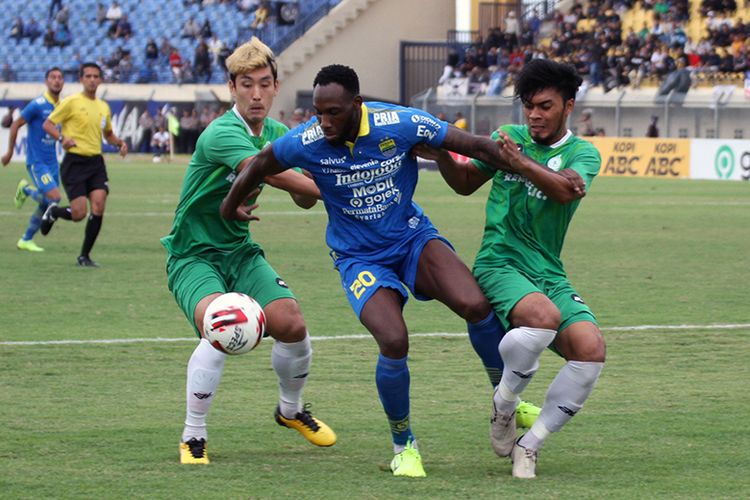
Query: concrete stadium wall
[[370, 45], [124, 92]]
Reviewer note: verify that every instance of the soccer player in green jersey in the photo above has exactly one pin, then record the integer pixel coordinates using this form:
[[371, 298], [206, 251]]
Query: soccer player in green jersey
[[209, 256], [518, 265]]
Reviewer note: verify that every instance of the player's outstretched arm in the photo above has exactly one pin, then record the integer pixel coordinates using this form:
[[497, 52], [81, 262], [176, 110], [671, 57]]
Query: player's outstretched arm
[[260, 166], [563, 186], [12, 135], [300, 187], [474, 146], [462, 176]]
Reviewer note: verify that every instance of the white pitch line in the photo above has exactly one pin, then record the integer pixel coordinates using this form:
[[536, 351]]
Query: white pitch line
[[730, 326], [639, 328], [259, 213]]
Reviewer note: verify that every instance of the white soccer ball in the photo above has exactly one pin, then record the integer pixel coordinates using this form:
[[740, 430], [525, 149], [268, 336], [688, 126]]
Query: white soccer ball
[[234, 323]]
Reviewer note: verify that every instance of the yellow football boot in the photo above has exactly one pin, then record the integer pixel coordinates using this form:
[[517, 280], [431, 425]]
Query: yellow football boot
[[312, 429], [194, 452]]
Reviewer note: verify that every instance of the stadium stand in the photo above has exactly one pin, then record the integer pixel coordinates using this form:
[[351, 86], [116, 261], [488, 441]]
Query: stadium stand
[[158, 21], [615, 43]]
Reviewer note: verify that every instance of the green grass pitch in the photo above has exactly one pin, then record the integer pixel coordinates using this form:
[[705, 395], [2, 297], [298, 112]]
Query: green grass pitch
[[662, 263]]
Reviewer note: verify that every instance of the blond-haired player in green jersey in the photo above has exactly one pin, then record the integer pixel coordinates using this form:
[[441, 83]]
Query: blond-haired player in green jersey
[[518, 265], [209, 256]]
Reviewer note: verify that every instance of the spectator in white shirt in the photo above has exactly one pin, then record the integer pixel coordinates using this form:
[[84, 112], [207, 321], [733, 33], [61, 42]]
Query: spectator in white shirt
[[114, 13], [160, 143]]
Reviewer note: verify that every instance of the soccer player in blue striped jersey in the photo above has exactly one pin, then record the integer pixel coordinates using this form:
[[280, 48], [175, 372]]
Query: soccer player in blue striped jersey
[[41, 156], [359, 154]]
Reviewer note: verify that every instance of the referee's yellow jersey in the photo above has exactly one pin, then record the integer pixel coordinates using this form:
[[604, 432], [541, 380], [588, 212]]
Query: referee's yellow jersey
[[84, 120]]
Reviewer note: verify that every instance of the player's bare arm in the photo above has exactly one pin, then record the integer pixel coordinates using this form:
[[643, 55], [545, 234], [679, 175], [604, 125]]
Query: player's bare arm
[[51, 130], [121, 145], [301, 188], [462, 176], [474, 146], [13, 134], [564, 186], [260, 166]]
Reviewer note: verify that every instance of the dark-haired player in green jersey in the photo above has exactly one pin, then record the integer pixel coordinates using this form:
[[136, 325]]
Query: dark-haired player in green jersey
[[209, 256], [518, 265]]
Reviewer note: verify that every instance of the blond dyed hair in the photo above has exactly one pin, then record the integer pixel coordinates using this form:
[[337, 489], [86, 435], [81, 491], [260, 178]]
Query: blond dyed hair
[[250, 56]]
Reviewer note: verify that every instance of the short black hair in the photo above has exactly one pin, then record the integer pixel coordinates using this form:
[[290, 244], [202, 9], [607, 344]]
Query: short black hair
[[541, 74], [53, 68], [89, 65], [338, 73]]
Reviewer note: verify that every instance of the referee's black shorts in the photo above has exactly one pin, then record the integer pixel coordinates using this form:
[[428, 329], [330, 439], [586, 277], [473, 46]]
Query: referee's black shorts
[[82, 174]]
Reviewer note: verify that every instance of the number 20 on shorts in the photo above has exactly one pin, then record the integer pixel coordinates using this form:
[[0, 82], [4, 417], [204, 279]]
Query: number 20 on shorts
[[364, 280]]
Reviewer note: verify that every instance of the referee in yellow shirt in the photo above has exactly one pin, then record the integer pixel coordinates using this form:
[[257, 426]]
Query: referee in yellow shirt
[[84, 119]]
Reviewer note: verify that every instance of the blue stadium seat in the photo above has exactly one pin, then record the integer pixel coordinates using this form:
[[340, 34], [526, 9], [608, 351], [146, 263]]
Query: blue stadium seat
[[149, 20]]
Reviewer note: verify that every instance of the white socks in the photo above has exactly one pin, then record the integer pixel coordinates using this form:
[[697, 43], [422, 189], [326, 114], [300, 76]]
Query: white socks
[[291, 361], [520, 349], [203, 376], [565, 397]]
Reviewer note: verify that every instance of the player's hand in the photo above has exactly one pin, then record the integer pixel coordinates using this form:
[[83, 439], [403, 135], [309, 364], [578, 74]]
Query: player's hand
[[68, 143], [576, 181], [243, 212], [123, 149], [6, 159], [509, 150]]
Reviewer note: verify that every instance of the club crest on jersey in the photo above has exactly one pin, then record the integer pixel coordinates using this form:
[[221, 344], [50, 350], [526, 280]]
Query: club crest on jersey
[[555, 163], [387, 147], [385, 118]]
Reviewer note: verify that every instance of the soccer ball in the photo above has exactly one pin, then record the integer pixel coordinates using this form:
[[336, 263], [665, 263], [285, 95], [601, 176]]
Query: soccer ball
[[234, 323]]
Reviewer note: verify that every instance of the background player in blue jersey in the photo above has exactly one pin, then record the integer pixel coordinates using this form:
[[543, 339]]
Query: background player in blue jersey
[[359, 154], [41, 157]]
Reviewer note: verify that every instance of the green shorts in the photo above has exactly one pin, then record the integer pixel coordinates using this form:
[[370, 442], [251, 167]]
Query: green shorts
[[504, 286], [190, 279]]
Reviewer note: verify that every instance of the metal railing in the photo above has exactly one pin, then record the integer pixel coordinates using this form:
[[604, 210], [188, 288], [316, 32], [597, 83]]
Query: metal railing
[[625, 115]]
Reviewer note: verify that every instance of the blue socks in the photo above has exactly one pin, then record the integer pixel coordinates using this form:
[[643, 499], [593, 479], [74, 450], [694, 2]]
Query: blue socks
[[34, 194], [485, 337], [392, 379], [35, 221]]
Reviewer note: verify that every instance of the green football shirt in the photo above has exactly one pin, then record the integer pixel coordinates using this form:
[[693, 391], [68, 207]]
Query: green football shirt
[[524, 228], [198, 226]]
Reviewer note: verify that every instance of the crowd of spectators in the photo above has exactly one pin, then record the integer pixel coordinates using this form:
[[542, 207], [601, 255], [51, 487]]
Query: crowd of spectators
[[112, 20], [593, 40], [55, 34], [155, 136], [29, 29], [156, 139]]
